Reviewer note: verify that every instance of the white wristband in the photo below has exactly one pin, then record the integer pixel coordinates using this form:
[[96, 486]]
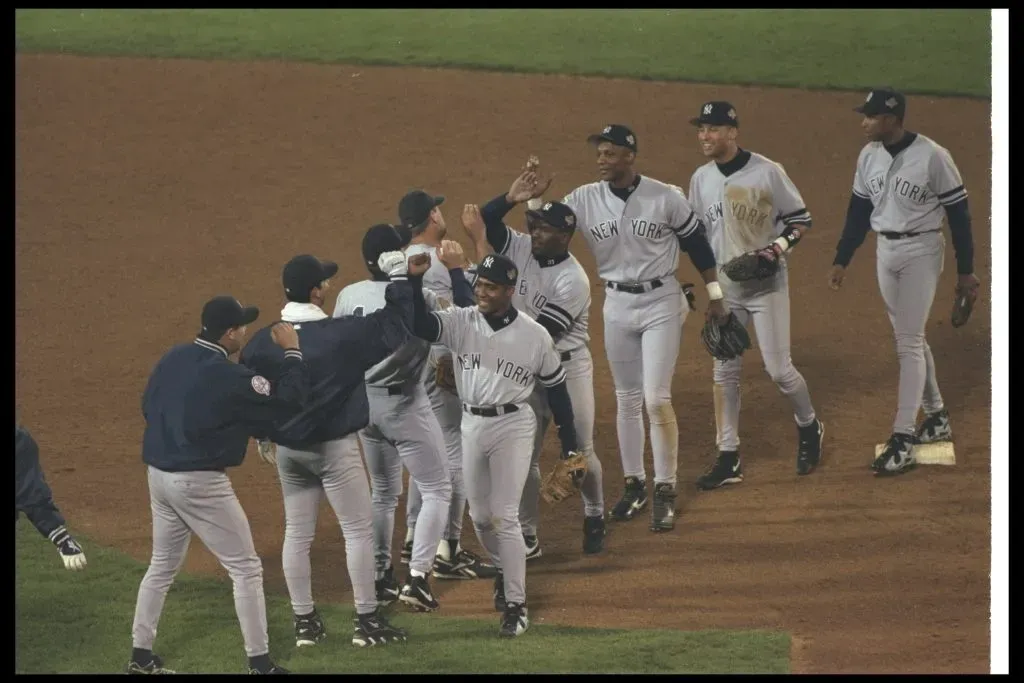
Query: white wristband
[[783, 244], [714, 291]]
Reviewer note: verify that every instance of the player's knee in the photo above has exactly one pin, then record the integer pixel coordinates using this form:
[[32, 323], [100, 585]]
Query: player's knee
[[245, 569], [630, 401], [910, 344], [160, 574], [481, 519], [506, 522], [781, 370]]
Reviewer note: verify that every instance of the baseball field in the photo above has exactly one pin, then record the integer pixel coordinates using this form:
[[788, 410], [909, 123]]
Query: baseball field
[[163, 157]]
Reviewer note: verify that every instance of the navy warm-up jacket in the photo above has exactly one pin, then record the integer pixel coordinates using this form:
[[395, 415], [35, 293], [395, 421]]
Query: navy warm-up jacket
[[201, 408], [32, 494], [338, 351]]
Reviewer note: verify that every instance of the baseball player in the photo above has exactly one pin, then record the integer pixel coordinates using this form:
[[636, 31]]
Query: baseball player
[[420, 213], [402, 431], [901, 181], [200, 411], [636, 227], [32, 495], [555, 291], [317, 451], [499, 355], [748, 203]]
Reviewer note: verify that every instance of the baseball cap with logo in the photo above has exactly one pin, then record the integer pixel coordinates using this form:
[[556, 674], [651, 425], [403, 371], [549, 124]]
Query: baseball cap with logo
[[303, 273], [718, 113], [221, 313], [381, 238], [883, 101], [555, 214], [415, 207], [617, 134], [498, 269]]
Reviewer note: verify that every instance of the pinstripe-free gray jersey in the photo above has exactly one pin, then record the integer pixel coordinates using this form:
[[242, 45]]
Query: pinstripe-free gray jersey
[[633, 240], [910, 189], [406, 363], [748, 209], [494, 367], [560, 291]]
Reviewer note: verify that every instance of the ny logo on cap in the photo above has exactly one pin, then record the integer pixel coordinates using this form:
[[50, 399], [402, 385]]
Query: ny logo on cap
[[488, 261], [707, 109], [607, 129], [891, 103]]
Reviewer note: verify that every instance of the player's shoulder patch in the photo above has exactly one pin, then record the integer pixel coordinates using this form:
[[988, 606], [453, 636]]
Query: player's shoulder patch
[[261, 385]]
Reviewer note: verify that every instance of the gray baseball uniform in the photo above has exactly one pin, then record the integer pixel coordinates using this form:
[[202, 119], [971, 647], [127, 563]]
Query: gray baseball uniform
[[635, 243], [745, 204], [402, 431], [908, 190], [496, 369], [446, 406], [560, 290]]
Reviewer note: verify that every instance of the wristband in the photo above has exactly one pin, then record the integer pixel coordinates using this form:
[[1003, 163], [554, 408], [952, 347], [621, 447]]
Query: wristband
[[714, 291], [783, 244]]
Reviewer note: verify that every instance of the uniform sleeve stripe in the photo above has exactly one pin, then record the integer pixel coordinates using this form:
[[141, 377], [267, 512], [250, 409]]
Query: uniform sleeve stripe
[[557, 312], [862, 196], [943, 195], [556, 322], [440, 325], [799, 218], [799, 211], [554, 380], [688, 226], [558, 371], [508, 242], [953, 199], [293, 353]]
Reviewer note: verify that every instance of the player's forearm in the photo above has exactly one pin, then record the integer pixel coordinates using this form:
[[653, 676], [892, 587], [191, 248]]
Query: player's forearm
[[561, 411], [701, 256], [424, 325], [858, 223], [462, 291], [959, 218], [493, 214]]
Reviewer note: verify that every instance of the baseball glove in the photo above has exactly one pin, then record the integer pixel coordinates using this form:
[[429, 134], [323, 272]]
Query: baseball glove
[[963, 304], [752, 265], [726, 341], [444, 374], [565, 478]]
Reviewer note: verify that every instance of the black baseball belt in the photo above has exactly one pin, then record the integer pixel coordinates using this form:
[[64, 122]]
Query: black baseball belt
[[490, 411], [634, 287], [890, 235]]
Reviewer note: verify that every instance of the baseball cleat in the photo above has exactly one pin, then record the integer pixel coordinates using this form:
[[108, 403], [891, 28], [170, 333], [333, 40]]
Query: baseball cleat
[[465, 565], [935, 428], [593, 534], [634, 498], [499, 592], [897, 457], [406, 555], [416, 594], [387, 588], [155, 665], [514, 621], [272, 669], [309, 629], [725, 470], [663, 512], [808, 454], [372, 629], [533, 550]]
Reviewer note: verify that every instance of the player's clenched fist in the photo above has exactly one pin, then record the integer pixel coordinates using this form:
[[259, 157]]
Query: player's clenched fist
[[835, 277], [418, 264], [285, 336], [451, 254]]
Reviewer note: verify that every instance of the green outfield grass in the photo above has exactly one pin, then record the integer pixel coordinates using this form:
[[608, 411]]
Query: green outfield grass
[[81, 623], [920, 51]]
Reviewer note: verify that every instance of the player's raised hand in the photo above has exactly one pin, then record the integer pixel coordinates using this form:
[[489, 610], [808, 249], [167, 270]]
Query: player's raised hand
[[450, 253], [835, 277], [540, 186], [523, 188], [473, 222], [284, 335]]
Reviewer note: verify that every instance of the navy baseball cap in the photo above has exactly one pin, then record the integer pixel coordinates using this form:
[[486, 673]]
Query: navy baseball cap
[[617, 134], [415, 207], [718, 113], [555, 214], [381, 238], [221, 313], [303, 273], [498, 269], [883, 101]]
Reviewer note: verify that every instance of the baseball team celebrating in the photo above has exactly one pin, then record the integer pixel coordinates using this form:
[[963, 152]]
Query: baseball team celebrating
[[453, 370]]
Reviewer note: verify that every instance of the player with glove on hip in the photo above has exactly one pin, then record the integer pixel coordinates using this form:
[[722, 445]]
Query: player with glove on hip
[[500, 354], [555, 291], [32, 496], [754, 215]]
